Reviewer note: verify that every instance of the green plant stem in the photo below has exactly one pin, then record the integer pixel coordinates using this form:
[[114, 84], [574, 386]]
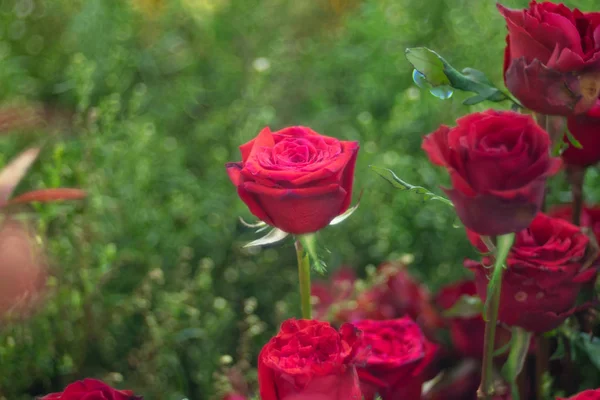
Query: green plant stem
[[304, 279], [492, 304]]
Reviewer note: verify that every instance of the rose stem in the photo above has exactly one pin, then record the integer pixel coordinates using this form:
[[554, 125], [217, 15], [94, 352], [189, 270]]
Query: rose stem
[[542, 358], [304, 278], [504, 243], [576, 176]]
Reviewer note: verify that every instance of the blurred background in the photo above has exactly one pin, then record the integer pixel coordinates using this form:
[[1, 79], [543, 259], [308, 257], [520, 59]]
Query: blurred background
[[142, 102]]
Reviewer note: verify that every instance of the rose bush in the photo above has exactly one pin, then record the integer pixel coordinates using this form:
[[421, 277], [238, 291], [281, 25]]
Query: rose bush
[[545, 272], [398, 355], [310, 360], [91, 389], [552, 58], [498, 164], [295, 179]]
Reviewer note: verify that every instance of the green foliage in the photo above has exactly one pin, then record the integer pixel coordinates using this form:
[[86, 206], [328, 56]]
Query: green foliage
[[150, 281]]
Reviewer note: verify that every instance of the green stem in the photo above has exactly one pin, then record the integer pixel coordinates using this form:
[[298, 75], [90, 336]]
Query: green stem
[[504, 243], [304, 278]]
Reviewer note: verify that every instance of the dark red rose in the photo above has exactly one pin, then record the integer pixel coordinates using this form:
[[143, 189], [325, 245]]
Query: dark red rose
[[295, 179], [586, 130], [587, 395], [552, 58], [399, 353], [334, 298], [498, 164], [91, 389], [467, 332], [399, 294], [543, 277], [310, 360]]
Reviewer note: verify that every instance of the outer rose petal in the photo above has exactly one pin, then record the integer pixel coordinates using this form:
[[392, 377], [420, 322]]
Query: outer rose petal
[[490, 215], [296, 211], [266, 379], [544, 90]]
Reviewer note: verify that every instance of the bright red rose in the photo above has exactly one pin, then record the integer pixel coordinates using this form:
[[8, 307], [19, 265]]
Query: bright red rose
[[586, 130], [587, 395], [498, 163], [91, 389], [310, 360], [295, 179], [399, 353], [552, 58], [467, 333], [543, 277]]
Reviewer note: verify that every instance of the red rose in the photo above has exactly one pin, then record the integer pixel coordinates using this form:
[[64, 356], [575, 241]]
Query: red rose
[[543, 277], [295, 179], [310, 360], [91, 389], [398, 355], [467, 333], [552, 58], [586, 130], [498, 164], [587, 395]]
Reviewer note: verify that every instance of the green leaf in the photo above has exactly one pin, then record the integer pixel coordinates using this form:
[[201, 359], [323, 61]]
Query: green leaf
[[398, 183], [573, 140], [438, 72], [560, 352], [429, 63], [591, 346], [465, 307], [519, 348], [309, 243]]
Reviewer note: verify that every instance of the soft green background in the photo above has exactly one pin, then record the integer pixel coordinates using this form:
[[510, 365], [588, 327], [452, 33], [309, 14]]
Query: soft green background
[[151, 287]]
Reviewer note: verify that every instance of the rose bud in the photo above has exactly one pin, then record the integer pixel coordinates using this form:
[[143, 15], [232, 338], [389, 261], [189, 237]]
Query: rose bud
[[467, 332], [91, 389], [398, 355], [545, 272], [552, 58], [498, 164], [586, 395], [295, 179], [310, 360], [586, 130]]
